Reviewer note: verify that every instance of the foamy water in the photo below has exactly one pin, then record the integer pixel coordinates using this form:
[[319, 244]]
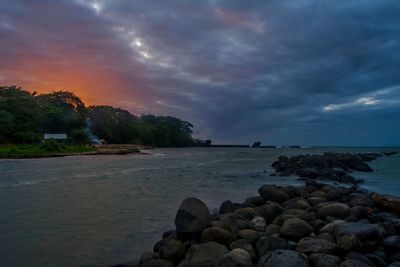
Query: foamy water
[[104, 210]]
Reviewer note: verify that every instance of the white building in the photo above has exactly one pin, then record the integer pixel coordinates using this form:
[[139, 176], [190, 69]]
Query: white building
[[61, 136]]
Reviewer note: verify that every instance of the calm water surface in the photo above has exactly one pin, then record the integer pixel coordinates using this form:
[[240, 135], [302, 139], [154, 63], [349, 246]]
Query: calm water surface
[[104, 210]]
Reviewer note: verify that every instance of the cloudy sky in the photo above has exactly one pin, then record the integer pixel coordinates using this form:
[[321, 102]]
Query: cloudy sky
[[304, 72]]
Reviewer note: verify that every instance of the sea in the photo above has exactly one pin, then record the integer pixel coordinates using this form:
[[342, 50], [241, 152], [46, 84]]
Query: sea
[[107, 210]]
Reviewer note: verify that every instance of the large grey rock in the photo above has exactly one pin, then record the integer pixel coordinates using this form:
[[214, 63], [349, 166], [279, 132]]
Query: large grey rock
[[258, 224], [227, 206], [236, 258], [193, 216], [295, 229], [268, 243], [356, 236], [324, 260], [335, 209], [283, 258], [310, 245], [269, 211], [354, 263], [217, 234], [232, 222], [248, 234], [392, 243], [245, 245], [273, 193], [296, 203], [203, 255], [173, 250], [157, 263]]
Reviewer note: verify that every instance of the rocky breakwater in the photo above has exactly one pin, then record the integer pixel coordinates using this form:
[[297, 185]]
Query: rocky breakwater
[[328, 166], [312, 225]]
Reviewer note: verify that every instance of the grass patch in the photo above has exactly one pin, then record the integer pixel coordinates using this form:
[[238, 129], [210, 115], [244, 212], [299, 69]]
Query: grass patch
[[42, 150]]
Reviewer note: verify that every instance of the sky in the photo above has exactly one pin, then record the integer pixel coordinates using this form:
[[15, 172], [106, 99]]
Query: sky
[[298, 72]]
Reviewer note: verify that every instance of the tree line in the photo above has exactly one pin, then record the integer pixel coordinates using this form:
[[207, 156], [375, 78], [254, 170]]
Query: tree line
[[26, 116]]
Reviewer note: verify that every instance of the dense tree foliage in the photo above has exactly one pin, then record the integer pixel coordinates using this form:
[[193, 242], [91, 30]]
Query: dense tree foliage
[[25, 117]]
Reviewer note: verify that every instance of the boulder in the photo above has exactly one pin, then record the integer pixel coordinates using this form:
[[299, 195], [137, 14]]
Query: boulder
[[248, 234], [245, 245], [253, 202], [302, 214], [354, 263], [296, 203], [310, 245], [227, 206], [390, 203], [173, 250], [258, 224], [236, 258], [357, 236], [268, 243], [148, 256], [193, 216], [203, 255], [324, 260], [295, 229], [269, 211], [395, 264], [335, 209], [218, 235], [283, 258], [273, 229], [273, 193], [316, 200], [157, 263], [392, 243], [359, 257], [232, 222]]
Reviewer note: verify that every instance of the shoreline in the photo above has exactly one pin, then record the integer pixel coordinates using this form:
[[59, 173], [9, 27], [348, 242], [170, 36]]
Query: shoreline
[[312, 225]]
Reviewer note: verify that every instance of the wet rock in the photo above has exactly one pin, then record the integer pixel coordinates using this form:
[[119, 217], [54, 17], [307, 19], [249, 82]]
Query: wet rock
[[148, 256], [335, 209], [203, 255], [283, 258], [236, 258], [258, 224], [313, 245], [270, 211], [324, 260], [245, 245], [273, 229], [359, 212], [173, 250], [273, 193], [193, 216], [357, 236], [248, 234], [253, 202], [295, 229], [376, 260], [218, 235], [354, 263], [227, 206], [359, 257], [392, 243], [395, 264], [316, 200], [157, 263], [270, 243], [232, 222], [296, 203], [302, 214], [390, 203]]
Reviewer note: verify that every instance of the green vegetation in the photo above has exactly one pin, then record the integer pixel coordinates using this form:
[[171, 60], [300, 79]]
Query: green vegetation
[[42, 150], [25, 117]]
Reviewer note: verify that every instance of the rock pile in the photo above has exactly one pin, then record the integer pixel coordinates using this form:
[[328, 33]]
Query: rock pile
[[313, 225], [328, 166]]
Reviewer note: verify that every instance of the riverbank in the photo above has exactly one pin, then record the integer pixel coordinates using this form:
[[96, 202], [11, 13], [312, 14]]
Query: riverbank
[[41, 151], [316, 224]]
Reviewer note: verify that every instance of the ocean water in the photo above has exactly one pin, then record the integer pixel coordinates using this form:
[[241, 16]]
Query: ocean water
[[104, 210]]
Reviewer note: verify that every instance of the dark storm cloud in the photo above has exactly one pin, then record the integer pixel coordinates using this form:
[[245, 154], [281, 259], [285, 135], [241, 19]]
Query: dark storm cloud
[[283, 72]]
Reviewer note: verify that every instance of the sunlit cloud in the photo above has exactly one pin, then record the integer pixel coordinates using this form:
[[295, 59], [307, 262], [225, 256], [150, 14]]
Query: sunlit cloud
[[376, 99]]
